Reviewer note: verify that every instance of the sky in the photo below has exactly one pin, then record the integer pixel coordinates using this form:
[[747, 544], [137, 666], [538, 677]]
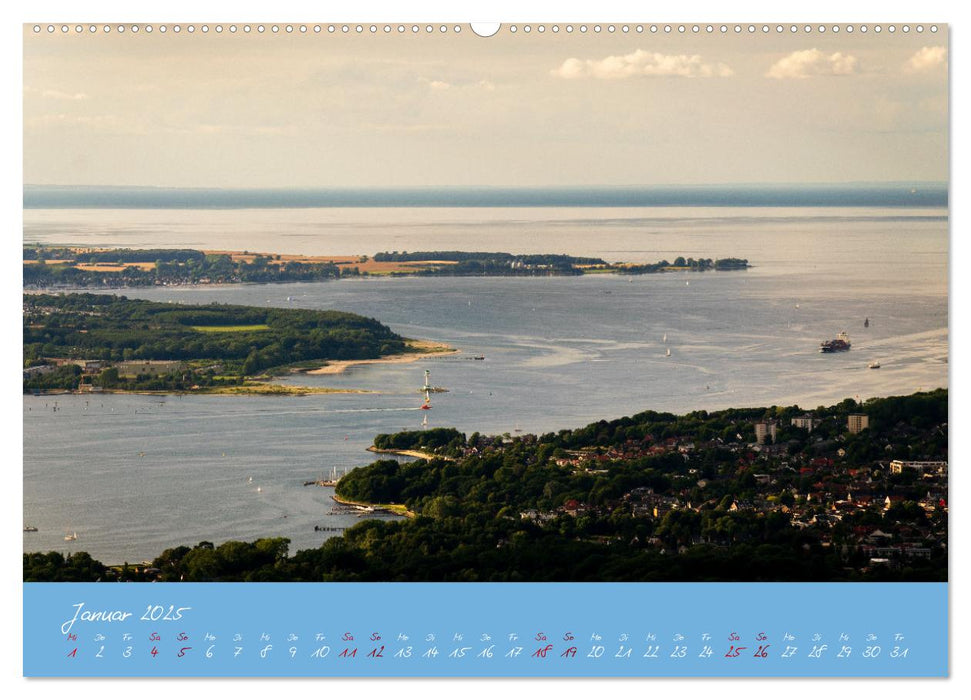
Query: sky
[[516, 109]]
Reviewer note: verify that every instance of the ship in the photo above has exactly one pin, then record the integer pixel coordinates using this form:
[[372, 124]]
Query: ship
[[840, 344]]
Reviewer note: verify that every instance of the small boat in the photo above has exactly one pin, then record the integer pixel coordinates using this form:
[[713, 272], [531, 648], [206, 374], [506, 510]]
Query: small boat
[[874, 365], [70, 538], [866, 323], [30, 528]]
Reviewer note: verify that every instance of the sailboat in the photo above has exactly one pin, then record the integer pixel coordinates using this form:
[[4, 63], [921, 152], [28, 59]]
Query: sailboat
[[70, 538], [668, 353], [665, 338]]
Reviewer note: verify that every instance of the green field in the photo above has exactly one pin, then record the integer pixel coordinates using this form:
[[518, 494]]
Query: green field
[[222, 344], [231, 329]]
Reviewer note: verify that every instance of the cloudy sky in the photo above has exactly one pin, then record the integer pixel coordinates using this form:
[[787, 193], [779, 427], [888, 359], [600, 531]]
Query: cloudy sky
[[323, 110]]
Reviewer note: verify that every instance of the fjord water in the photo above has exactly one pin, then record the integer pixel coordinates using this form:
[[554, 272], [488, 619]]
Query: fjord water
[[133, 475]]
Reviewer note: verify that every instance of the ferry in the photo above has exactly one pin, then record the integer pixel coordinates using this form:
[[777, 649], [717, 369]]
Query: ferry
[[840, 344]]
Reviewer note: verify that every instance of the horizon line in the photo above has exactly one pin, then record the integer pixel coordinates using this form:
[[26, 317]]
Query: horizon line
[[340, 188], [858, 194]]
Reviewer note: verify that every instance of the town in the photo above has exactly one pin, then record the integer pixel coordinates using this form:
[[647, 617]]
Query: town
[[852, 492]]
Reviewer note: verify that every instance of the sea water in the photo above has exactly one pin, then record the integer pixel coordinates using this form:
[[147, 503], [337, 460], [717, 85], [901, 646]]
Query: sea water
[[133, 475]]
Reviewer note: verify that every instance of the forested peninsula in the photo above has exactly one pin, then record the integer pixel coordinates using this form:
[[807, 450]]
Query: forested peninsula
[[101, 342], [70, 267], [650, 497]]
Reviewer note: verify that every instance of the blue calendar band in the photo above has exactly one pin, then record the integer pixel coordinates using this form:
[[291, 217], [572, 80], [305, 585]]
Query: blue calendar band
[[486, 630]]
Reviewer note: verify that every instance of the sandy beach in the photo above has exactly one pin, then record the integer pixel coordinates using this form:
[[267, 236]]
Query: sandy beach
[[421, 349], [410, 453]]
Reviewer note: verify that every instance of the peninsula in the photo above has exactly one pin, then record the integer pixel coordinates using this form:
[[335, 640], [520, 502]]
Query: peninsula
[[744, 494], [46, 267], [98, 342]]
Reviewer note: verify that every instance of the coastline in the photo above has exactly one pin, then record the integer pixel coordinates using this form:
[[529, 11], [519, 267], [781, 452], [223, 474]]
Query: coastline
[[393, 508], [256, 389], [423, 349], [418, 454]]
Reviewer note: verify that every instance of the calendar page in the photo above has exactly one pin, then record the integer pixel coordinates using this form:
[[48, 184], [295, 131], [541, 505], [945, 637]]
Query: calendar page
[[515, 350]]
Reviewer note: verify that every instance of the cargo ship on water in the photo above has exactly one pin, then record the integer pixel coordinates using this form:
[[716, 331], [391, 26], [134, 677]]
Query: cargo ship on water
[[840, 344]]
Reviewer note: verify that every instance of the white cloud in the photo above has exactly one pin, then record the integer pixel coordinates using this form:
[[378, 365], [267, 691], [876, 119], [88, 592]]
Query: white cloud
[[813, 62], [441, 85], [927, 58], [56, 94], [98, 122], [230, 130], [642, 63]]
